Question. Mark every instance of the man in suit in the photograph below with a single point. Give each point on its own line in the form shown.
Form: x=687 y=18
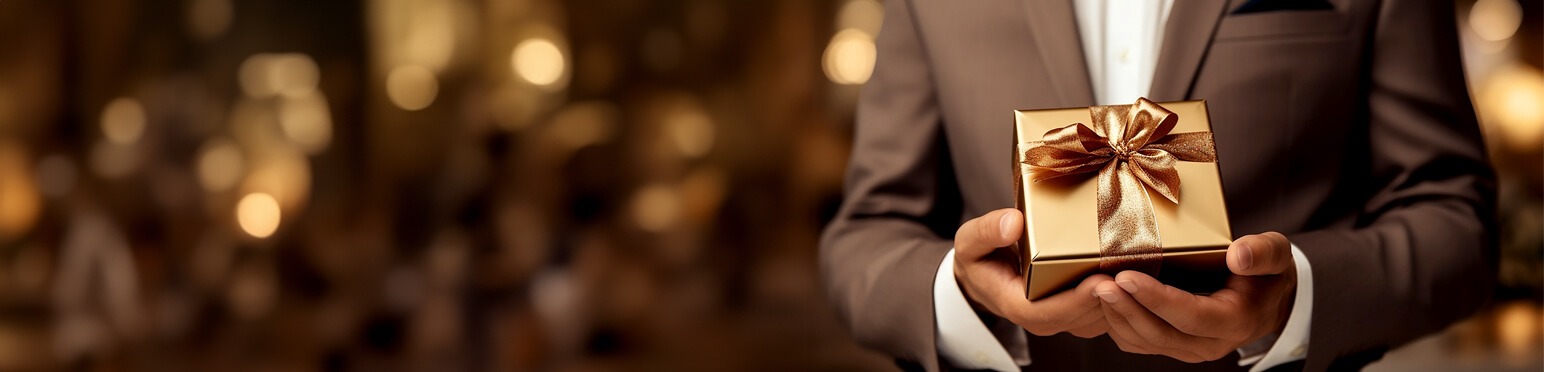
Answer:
x=1348 y=149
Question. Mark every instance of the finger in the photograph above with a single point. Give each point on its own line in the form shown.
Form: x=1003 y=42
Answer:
x=1120 y=331
x=1157 y=334
x=981 y=236
x=1185 y=311
x=1093 y=315
x=1092 y=329
x=1126 y=338
x=1261 y=254
x=1061 y=311
x=994 y=282
x=1089 y=324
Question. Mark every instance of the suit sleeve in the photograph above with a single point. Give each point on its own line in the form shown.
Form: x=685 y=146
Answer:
x=1422 y=253
x=879 y=255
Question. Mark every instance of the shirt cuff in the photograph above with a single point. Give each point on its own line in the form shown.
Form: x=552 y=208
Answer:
x=1291 y=344
x=963 y=339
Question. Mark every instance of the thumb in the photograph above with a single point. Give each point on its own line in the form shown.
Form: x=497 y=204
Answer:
x=983 y=235
x=1266 y=253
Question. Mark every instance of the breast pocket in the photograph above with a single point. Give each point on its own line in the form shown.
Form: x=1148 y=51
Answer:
x=1283 y=24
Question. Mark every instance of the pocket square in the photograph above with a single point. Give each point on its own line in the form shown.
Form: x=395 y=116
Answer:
x=1259 y=6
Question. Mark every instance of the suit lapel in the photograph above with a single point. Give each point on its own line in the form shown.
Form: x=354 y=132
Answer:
x=1055 y=31
x=1186 y=38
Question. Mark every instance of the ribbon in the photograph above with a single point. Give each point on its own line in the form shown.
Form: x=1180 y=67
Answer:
x=1131 y=149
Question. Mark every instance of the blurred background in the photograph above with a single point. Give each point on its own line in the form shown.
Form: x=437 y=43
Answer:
x=297 y=185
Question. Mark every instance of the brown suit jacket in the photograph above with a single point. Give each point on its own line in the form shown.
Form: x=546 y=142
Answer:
x=1349 y=130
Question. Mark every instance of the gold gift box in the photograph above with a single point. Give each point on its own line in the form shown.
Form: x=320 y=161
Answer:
x=1060 y=245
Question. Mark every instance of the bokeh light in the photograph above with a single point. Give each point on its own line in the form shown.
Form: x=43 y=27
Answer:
x=281 y=171
x=1518 y=328
x=849 y=60
x=20 y=201
x=504 y=185
x=412 y=88
x=258 y=215
x=656 y=207
x=306 y=121
x=584 y=124
x=431 y=36
x=220 y=165
x=864 y=15
x=123 y=121
x=1495 y=20
x=292 y=75
x=1512 y=102
x=690 y=129
x=253 y=76
x=538 y=61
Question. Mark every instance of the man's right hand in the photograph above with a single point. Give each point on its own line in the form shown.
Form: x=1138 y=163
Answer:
x=988 y=271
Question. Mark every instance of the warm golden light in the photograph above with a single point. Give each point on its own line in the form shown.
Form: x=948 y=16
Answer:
x=280 y=170
x=258 y=214
x=220 y=165
x=656 y=207
x=123 y=121
x=538 y=61
x=306 y=121
x=1512 y=103
x=292 y=74
x=253 y=76
x=1495 y=20
x=1519 y=327
x=431 y=36
x=691 y=131
x=20 y=201
x=583 y=124
x=864 y=15
x=412 y=88
x=849 y=59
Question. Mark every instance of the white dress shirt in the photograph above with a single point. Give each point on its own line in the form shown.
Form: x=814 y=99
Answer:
x=1121 y=40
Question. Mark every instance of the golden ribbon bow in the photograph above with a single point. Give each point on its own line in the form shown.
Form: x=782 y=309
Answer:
x=1131 y=148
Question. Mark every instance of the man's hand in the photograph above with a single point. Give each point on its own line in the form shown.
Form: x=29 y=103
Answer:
x=1148 y=317
x=989 y=275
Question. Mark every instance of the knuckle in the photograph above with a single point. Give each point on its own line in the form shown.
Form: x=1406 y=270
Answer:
x=1189 y=326
x=985 y=230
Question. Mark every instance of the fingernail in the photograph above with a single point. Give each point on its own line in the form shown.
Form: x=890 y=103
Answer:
x=1245 y=256
x=1004 y=223
x=1107 y=297
x=1129 y=286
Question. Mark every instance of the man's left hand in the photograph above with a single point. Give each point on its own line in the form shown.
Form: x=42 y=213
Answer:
x=1148 y=317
